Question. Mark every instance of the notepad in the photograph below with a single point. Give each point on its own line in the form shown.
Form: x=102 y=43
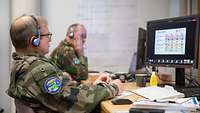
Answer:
x=156 y=92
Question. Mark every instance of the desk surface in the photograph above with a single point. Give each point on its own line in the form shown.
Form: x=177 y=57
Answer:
x=108 y=107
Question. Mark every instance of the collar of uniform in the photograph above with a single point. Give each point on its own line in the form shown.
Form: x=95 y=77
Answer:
x=69 y=46
x=17 y=55
x=66 y=44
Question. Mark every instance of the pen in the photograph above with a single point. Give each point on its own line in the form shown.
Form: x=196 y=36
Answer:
x=164 y=101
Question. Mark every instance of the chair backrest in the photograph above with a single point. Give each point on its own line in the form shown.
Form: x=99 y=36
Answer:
x=1 y=110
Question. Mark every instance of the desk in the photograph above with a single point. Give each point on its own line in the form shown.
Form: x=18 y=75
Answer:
x=108 y=107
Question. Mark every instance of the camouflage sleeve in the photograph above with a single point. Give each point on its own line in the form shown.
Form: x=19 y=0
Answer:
x=56 y=92
x=67 y=60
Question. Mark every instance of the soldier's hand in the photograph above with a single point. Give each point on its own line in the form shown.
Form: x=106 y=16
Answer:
x=119 y=85
x=79 y=46
x=103 y=78
x=67 y=75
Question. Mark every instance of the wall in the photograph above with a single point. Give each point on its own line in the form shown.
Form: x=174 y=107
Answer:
x=110 y=47
x=5 y=101
x=20 y=7
x=150 y=11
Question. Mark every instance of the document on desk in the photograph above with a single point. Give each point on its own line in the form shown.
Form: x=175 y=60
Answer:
x=186 y=104
x=156 y=92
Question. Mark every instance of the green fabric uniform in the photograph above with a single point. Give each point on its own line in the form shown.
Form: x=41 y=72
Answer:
x=64 y=56
x=38 y=83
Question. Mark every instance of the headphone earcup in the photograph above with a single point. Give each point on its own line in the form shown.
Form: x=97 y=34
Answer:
x=71 y=35
x=35 y=41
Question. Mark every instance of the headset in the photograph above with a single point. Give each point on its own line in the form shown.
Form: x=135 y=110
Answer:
x=35 y=40
x=71 y=33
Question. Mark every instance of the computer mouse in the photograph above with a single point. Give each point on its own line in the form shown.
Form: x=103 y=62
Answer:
x=121 y=101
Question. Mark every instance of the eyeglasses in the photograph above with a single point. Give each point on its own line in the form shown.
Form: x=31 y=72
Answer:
x=49 y=35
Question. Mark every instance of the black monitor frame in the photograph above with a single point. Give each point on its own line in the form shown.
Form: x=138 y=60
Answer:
x=179 y=61
x=138 y=58
x=141 y=48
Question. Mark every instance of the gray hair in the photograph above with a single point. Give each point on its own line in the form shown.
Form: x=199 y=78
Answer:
x=23 y=28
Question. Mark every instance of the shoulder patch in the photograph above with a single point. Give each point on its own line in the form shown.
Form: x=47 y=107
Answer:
x=52 y=85
x=76 y=60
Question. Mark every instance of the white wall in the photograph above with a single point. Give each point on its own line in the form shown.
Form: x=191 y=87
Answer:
x=5 y=101
x=151 y=10
x=20 y=7
x=105 y=52
x=59 y=14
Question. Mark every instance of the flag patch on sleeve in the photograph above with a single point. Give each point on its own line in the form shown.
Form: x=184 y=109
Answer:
x=52 y=85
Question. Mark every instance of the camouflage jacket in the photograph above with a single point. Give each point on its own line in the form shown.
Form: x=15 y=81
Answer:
x=65 y=58
x=38 y=83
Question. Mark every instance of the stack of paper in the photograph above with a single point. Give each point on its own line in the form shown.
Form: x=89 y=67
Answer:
x=186 y=104
x=155 y=93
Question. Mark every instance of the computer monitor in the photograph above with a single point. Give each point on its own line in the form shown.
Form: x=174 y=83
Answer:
x=141 y=46
x=173 y=42
x=138 y=58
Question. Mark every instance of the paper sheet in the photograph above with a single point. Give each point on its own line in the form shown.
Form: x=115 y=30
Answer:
x=155 y=92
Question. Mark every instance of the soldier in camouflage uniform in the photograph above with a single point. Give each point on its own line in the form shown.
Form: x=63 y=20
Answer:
x=38 y=84
x=69 y=54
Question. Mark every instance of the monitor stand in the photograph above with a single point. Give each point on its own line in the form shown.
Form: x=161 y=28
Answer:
x=180 y=77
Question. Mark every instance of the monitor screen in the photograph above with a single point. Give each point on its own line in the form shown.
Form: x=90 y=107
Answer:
x=172 y=42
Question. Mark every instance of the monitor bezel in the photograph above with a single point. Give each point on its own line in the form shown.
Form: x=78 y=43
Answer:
x=178 y=22
x=141 y=48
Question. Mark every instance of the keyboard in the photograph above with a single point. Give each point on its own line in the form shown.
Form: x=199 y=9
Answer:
x=189 y=91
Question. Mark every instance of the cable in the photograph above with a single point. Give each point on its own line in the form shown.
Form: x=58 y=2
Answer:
x=192 y=81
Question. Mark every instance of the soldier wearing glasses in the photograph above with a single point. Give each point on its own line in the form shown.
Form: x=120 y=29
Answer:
x=38 y=85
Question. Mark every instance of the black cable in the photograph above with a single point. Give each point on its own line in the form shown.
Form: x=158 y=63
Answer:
x=192 y=81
